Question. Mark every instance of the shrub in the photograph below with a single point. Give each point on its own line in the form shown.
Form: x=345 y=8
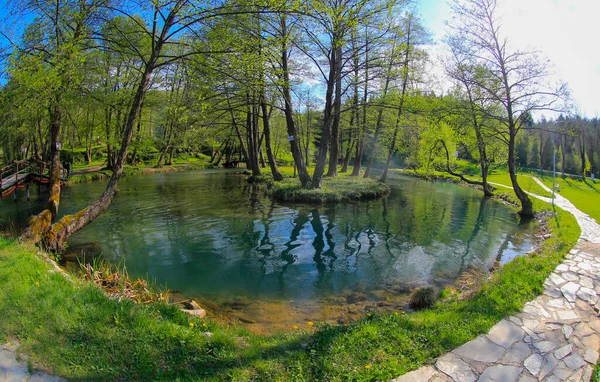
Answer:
x=423 y=297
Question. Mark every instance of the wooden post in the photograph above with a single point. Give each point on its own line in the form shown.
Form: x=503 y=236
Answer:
x=16 y=181
x=28 y=192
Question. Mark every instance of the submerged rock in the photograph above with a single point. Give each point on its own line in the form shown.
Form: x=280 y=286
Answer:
x=192 y=308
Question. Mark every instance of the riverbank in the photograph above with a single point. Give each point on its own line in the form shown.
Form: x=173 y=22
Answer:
x=55 y=319
x=96 y=172
x=555 y=336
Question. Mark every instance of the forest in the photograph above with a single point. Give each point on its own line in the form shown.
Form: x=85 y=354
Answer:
x=326 y=86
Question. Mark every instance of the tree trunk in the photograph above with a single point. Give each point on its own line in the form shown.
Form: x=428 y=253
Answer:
x=288 y=109
x=60 y=231
x=334 y=62
x=267 y=132
x=41 y=223
x=526 y=204
x=334 y=151
x=400 y=106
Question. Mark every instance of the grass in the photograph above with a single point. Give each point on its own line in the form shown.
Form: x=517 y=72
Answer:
x=498 y=176
x=341 y=188
x=75 y=331
x=525 y=181
x=182 y=163
x=334 y=190
x=584 y=194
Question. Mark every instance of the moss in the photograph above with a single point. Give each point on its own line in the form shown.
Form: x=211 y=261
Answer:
x=38 y=225
x=53 y=239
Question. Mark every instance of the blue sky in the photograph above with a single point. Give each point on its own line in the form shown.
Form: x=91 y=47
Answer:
x=564 y=31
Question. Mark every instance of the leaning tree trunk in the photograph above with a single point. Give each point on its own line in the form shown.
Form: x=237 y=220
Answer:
x=60 y=231
x=40 y=223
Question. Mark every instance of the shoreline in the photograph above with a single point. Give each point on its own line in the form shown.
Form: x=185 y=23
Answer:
x=499 y=297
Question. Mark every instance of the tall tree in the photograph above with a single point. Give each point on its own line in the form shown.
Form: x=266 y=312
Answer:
x=512 y=79
x=50 y=59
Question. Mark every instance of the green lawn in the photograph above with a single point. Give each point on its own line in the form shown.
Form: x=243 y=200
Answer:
x=525 y=181
x=75 y=331
x=585 y=195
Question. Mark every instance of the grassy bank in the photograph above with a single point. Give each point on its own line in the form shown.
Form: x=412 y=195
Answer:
x=75 y=331
x=584 y=194
x=500 y=177
x=179 y=164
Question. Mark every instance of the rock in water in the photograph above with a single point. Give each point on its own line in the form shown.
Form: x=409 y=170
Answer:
x=193 y=309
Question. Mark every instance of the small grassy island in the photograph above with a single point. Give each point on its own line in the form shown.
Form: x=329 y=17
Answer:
x=340 y=189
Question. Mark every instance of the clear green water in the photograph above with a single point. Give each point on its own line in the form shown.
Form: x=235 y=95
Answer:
x=211 y=236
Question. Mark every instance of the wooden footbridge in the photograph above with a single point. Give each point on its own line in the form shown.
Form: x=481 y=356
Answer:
x=20 y=174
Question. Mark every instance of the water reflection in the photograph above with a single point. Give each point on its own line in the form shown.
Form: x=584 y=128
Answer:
x=212 y=235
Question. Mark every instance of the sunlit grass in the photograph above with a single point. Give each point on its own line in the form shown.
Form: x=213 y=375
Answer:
x=584 y=194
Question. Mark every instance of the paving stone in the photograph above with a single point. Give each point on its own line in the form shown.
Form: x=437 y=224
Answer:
x=569 y=290
x=423 y=374
x=11 y=369
x=516 y=320
x=516 y=354
x=562 y=373
x=500 y=373
x=583 y=329
x=591 y=356
x=553 y=292
x=591 y=342
x=563 y=351
x=586 y=294
x=480 y=349
x=553 y=378
x=526 y=378
x=574 y=362
x=556 y=279
x=550 y=363
x=576 y=377
x=567 y=315
x=534 y=364
x=456 y=368
x=587 y=373
x=586 y=282
x=569 y=276
x=41 y=377
x=595 y=325
x=531 y=324
x=557 y=303
x=505 y=333
x=544 y=346
x=567 y=331
x=562 y=268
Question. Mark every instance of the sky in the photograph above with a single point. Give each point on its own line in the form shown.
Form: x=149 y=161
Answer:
x=563 y=31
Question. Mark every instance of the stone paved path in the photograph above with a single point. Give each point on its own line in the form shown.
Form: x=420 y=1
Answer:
x=555 y=338
x=14 y=370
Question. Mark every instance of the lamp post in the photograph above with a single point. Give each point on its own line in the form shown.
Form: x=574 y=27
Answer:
x=553 y=162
